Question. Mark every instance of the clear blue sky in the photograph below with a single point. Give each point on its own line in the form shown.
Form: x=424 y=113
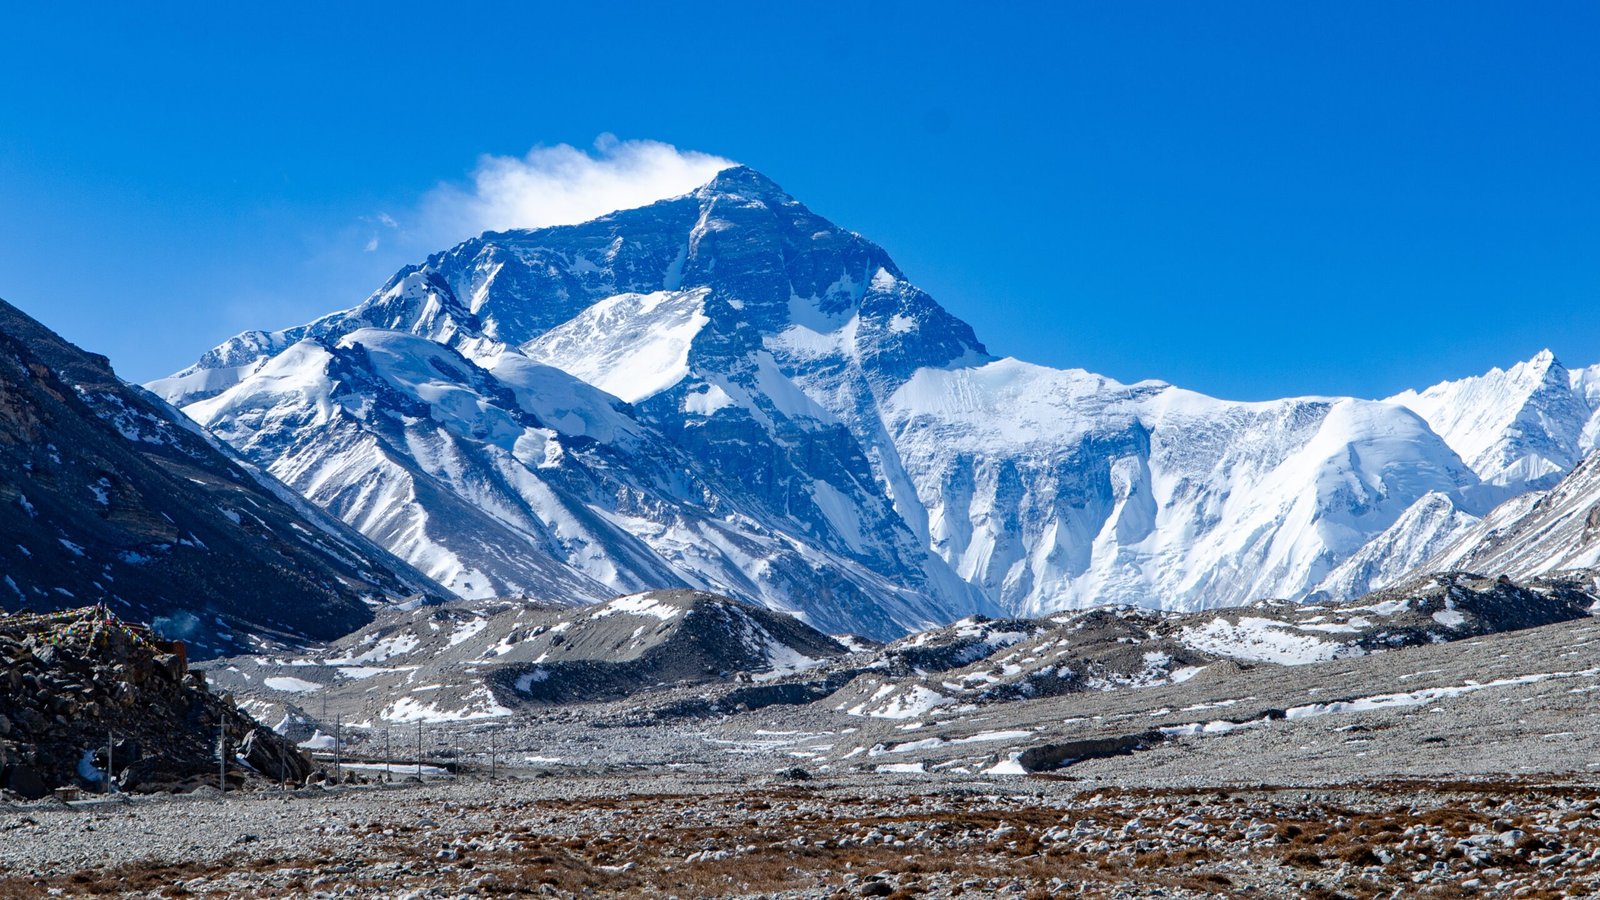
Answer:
x=1248 y=199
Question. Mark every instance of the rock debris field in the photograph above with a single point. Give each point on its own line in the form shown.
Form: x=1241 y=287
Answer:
x=665 y=835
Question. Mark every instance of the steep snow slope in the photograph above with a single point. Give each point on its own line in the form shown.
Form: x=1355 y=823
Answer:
x=1084 y=491
x=632 y=345
x=796 y=406
x=370 y=427
x=519 y=479
x=1537 y=533
x=1423 y=531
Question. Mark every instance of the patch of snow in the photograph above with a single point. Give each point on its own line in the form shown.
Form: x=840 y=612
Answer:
x=1255 y=639
x=637 y=605
x=1011 y=765
x=467 y=630
x=480 y=704
x=317 y=741
x=708 y=401
x=903 y=769
x=386 y=648
x=291 y=685
x=915 y=702
x=529 y=679
x=632 y=346
x=900 y=324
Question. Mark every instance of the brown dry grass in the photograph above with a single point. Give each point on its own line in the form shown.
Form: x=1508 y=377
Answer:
x=622 y=847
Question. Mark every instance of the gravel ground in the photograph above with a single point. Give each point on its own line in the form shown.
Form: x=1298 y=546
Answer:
x=664 y=834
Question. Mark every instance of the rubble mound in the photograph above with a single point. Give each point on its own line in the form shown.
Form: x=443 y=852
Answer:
x=985 y=661
x=641 y=641
x=82 y=692
x=958 y=644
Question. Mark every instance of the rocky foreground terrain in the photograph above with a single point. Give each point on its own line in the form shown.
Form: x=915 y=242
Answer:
x=1457 y=768
x=666 y=655
x=665 y=834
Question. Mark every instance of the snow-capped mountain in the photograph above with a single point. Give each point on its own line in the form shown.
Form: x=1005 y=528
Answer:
x=727 y=392
x=1056 y=489
x=1522 y=428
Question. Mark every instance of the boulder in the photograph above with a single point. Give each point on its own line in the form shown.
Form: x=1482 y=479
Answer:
x=276 y=760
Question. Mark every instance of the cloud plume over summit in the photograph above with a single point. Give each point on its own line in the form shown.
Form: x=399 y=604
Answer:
x=564 y=185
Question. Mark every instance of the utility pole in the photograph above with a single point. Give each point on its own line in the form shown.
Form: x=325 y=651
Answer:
x=337 y=722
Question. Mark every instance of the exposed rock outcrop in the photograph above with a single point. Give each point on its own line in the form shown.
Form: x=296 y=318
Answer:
x=85 y=694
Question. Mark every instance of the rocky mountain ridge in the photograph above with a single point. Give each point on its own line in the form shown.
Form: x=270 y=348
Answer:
x=670 y=655
x=107 y=495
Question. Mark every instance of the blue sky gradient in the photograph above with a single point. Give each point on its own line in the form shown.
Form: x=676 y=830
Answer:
x=1247 y=199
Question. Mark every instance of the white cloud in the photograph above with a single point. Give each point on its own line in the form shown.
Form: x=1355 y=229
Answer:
x=563 y=185
x=384 y=219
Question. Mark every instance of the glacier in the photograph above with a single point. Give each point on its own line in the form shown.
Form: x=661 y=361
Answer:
x=725 y=391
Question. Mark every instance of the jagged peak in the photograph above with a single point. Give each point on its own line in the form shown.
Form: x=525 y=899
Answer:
x=1539 y=373
x=743 y=181
x=1540 y=362
x=1546 y=364
x=1541 y=367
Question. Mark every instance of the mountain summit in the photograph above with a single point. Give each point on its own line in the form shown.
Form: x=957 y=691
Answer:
x=725 y=391
x=1523 y=427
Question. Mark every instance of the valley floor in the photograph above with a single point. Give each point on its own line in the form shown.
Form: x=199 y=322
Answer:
x=662 y=833
x=1463 y=769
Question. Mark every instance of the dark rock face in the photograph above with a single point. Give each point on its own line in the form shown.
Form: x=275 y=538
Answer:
x=1055 y=756
x=108 y=495
x=77 y=684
